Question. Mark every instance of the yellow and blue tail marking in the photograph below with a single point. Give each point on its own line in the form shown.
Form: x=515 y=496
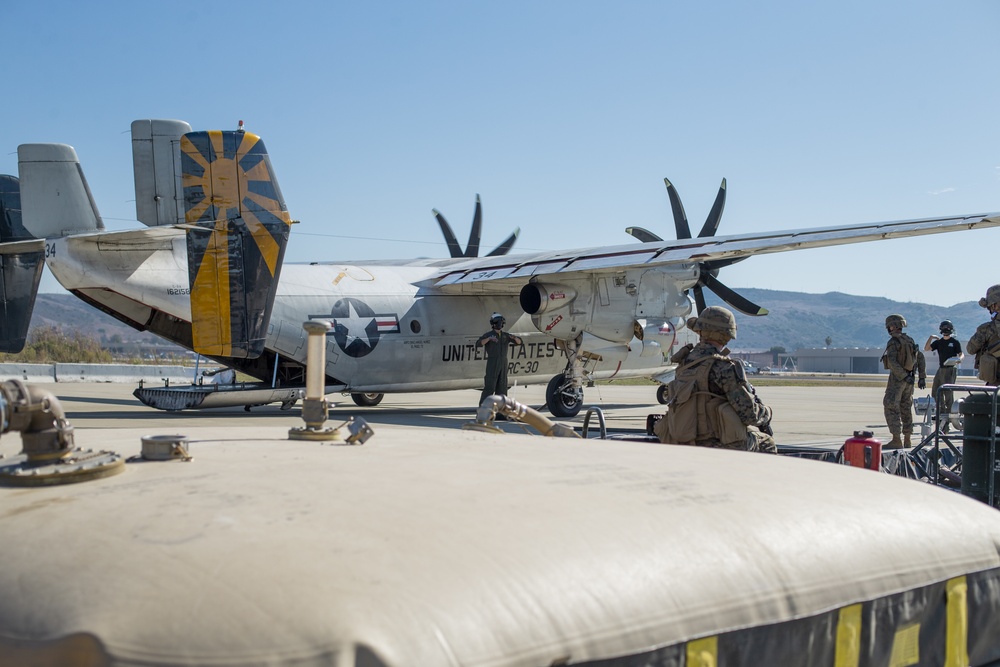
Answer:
x=238 y=228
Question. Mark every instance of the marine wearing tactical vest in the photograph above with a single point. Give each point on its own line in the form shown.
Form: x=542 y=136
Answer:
x=905 y=362
x=985 y=343
x=709 y=402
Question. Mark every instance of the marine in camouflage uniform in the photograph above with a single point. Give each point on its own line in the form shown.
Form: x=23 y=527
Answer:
x=496 y=341
x=985 y=343
x=716 y=326
x=905 y=362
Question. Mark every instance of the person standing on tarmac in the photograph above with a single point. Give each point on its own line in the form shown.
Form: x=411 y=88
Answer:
x=985 y=343
x=904 y=360
x=949 y=352
x=709 y=402
x=496 y=341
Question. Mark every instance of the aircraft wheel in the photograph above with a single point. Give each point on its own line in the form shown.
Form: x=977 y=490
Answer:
x=563 y=403
x=661 y=394
x=367 y=400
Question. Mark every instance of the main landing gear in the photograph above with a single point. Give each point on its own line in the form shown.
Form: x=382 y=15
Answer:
x=562 y=398
x=367 y=400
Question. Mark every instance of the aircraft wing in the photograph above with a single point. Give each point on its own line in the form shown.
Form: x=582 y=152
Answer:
x=507 y=274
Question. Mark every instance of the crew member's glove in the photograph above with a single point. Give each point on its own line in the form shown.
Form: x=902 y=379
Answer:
x=765 y=423
x=922 y=383
x=910 y=378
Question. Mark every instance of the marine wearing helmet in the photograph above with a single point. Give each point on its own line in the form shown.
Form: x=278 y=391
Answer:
x=904 y=361
x=714 y=322
x=985 y=343
x=710 y=403
x=991 y=299
x=895 y=321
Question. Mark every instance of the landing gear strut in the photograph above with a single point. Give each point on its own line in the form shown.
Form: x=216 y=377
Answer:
x=564 y=395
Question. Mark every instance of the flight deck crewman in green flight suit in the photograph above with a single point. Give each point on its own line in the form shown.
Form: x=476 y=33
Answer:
x=496 y=341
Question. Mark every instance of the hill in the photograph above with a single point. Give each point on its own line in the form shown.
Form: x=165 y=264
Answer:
x=796 y=320
x=68 y=313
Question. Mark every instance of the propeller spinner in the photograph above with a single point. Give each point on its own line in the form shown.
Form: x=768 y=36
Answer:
x=472 y=249
x=707 y=271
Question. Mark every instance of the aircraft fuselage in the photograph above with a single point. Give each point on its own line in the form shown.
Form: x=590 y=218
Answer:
x=389 y=334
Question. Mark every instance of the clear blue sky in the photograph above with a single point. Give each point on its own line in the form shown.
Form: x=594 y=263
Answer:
x=564 y=116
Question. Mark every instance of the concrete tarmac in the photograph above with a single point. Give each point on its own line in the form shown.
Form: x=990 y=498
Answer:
x=806 y=416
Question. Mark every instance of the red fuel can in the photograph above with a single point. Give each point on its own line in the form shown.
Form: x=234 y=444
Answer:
x=863 y=451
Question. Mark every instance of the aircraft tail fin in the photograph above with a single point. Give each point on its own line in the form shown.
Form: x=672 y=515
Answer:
x=50 y=199
x=156 y=165
x=237 y=230
x=20 y=271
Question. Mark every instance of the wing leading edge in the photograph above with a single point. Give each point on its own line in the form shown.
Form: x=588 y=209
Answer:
x=504 y=274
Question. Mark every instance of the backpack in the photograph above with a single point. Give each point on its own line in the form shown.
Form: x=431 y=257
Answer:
x=686 y=395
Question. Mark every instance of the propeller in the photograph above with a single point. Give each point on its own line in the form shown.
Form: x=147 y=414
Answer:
x=472 y=248
x=708 y=272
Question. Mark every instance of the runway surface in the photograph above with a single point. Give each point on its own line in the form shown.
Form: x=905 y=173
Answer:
x=101 y=413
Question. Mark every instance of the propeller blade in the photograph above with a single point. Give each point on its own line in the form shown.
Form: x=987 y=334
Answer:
x=454 y=249
x=712 y=221
x=680 y=218
x=505 y=247
x=699 y=299
x=472 y=250
x=644 y=235
x=738 y=302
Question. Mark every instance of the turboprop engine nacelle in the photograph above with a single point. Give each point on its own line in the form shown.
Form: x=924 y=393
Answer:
x=565 y=312
x=537 y=298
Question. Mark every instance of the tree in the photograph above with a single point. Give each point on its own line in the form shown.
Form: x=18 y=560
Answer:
x=828 y=341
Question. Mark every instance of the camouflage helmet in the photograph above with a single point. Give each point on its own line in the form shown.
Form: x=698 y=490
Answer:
x=946 y=327
x=714 y=318
x=992 y=297
x=895 y=320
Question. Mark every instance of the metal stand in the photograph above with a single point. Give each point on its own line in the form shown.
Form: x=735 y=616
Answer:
x=937 y=436
x=932 y=471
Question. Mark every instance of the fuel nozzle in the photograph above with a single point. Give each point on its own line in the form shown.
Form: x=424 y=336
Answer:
x=48 y=456
x=46 y=434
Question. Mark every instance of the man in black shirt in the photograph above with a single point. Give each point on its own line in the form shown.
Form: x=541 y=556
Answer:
x=949 y=351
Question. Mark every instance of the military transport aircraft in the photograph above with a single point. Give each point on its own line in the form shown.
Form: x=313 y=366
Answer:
x=205 y=275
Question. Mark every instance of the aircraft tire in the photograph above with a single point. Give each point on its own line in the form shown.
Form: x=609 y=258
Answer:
x=661 y=394
x=367 y=400
x=562 y=404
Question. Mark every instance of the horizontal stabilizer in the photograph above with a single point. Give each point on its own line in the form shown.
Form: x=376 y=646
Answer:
x=237 y=230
